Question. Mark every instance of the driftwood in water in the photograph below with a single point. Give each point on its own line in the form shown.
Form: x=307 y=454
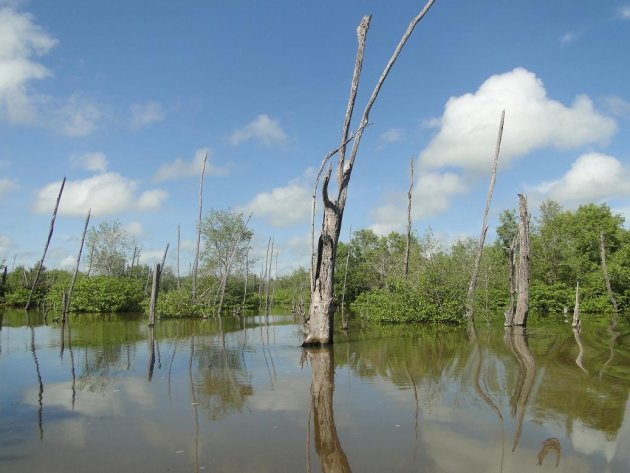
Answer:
x=195 y=269
x=154 y=293
x=50 y=233
x=409 y=196
x=522 y=273
x=484 y=226
x=318 y=329
x=66 y=305
x=602 y=249
x=576 y=308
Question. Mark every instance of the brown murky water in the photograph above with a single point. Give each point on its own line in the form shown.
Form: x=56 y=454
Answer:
x=105 y=394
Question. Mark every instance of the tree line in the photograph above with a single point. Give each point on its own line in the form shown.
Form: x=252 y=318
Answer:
x=370 y=276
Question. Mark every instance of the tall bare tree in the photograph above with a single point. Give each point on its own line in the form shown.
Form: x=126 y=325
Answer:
x=484 y=226
x=408 y=241
x=318 y=329
x=522 y=272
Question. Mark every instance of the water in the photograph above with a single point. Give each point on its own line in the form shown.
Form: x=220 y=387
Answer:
x=105 y=393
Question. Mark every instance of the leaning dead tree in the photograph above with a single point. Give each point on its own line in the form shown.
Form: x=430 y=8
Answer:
x=484 y=226
x=66 y=305
x=318 y=329
x=522 y=272
x=576 y=324
x=602 y=249
x=50 y=233
x=409 y=197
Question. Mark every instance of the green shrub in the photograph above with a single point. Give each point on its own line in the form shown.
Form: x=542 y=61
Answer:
x=101 y=294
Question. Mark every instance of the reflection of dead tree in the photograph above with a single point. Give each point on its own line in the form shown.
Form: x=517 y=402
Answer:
x=580 y=357
x=613 y=337
x=194 y=401
x=327 y=444
x=151 y=342
x=415 y=396
x=527 y=376
x=40 y=392
x=550 y=445
x=72 y=368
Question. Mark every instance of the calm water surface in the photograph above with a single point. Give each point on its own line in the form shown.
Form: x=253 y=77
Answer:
x=106 y=394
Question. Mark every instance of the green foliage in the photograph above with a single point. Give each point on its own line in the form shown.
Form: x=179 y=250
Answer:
x=109 y=248
x=550 y=298
x=177 y=303
x=100 y=294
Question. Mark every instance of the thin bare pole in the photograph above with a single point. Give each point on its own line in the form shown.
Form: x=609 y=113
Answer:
x=409 y=196
x=246 y=276
x=576 y=308
x=344 y=320
x=154 y=293
x=164 y=257
x=50 y=233
x=484 y=226
x=66 y=306
x=196 y=263
x=602 y=248
x=268 y=276
x=178 y=248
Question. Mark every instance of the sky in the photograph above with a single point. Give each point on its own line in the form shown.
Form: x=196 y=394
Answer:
x=125 y=99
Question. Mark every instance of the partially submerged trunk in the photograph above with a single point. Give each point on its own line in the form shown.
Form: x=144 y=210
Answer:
x=576 y=308
x=319 y=325
x=522 y=279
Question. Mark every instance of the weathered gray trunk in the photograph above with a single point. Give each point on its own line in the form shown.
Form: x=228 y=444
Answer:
x=50 y=234
x=522 y=279
x=66 y=305
x=509 y=312
x=409 y=198
x=195 y=269
x=602 y=249
x=484 y=226
x=154 y=293
x=319 y=325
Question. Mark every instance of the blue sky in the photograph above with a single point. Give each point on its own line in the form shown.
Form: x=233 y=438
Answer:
x=125 y=100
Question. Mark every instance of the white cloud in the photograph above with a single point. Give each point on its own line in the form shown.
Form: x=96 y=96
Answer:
x=6 y=186
x=282 y=206
x=105 y=194
x=21 y=41
x=263 y=129
x=134 y=229
x=623 y=13
x=93 y=161
x=432 y=195
x=144 y=114
x=468 y=128
x=568 y=38
x=592 y=177
x=180 y=168
x=76 y=116
x=391 y=136
x=616 y=105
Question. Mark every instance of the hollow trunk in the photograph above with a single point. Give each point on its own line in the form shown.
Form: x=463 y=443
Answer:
x=522 y=279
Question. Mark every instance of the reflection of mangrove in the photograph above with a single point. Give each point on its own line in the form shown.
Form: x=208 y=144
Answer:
x=331 y=455
x=526 y=377
x=223 y=383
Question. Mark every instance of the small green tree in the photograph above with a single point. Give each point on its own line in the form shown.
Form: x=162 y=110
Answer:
x=109 y=249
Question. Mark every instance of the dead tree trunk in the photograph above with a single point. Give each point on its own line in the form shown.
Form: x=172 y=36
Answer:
x=484 y=226
x=509 y=312
x=319 y=325
x=246 y=276
x=154 y=293
x=164 y=258
x=66 y=306
x=602 y=249
x=178 y=248
x=409 y=196
x=50 y=233
x=196 y=263
x=522 y=278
